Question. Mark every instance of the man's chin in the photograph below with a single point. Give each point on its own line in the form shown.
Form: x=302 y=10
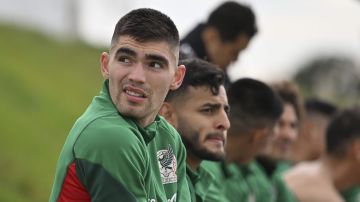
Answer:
x=281 y=157
x=216 y=157
x=131 y=112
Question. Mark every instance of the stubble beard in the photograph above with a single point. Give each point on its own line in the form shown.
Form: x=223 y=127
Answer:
x=193 y=146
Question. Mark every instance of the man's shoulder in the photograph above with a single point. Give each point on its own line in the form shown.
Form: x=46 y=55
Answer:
x=305 y=181
x=165 y=128
x=214 y=168
x=109 y=132
x=301 y=173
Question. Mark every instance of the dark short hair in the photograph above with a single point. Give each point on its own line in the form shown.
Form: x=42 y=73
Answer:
x=199 y=73
x=319 y=106
x=254 y=105
x=232 y=19
x=289 y=94
x=342 y=129
x=145 y=25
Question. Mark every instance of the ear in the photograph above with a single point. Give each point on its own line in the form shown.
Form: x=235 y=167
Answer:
x=355 y=149
x=243 y=40
x=210 y=34
x=260 y=136
x=178 y=77
x=104 y=61
x=167 y=111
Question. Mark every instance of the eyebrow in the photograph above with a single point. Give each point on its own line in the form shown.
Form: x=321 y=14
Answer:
x=217 y=106
x=212 y=105
x=130 y=52
x=124 y=50
x=158 y=58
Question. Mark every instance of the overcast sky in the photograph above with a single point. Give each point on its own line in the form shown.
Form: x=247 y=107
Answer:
x=291 y=31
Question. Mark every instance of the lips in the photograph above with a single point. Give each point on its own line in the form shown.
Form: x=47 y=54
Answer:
x=216 y=138
x=134 y=94
x=284 y=146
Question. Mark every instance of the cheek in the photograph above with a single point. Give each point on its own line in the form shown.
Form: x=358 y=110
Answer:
x=197 y=127
x=202 y=135
x=263 y=142
x=161 y=83
x=117 y=74
x=295 y=135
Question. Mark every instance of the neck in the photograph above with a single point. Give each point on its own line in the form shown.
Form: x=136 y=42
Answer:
x=339 y=171
x=233 y=154
x=193 y=161
x=144 y=122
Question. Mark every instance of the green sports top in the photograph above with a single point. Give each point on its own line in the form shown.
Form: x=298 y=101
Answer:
x=239 y=183
x=199 y=182
x=352 y=194
x=216 y=191
x=117 y=160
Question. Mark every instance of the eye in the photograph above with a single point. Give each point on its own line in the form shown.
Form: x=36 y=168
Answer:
x=208 y=110
x=156 y=65
x=294 y=125
x=227 y=110
x=124 y=59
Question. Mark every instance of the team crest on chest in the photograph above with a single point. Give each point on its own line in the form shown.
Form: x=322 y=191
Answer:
x=167 y=165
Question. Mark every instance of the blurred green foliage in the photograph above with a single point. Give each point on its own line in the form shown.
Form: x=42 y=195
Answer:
x=45 y=84
x=333 y=78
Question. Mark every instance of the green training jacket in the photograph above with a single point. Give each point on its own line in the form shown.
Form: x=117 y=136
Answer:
x=352 y=194
x=199 y=182
x=239 y=183
x=108 y=157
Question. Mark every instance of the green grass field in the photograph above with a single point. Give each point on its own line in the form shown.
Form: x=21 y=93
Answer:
x=45 y=85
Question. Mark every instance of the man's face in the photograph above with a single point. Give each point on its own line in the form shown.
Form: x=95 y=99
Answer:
x=140 y=75
x=245 y=147
x=224 y=53
x=202 y=121
x=312 y=135
x=285 y=133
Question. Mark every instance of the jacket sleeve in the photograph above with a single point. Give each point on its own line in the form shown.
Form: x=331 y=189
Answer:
x=183 y=192
x=112 y=163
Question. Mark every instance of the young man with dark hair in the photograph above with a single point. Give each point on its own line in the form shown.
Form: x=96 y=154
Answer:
x=227 y=32
x=336 y=171
x=278 y=152
x=310 y=144
x=255 y=109
x=198 y=110
x=120 y=149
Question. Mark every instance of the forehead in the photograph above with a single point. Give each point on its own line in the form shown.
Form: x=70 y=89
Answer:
x=289 y=113
x=197 y=96
x=161 y=48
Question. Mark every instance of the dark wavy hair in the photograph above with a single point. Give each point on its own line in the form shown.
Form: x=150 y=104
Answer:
x=254 y=105
x=342 y=129
x=232 y=19
x=199 y=73
x=145 y=25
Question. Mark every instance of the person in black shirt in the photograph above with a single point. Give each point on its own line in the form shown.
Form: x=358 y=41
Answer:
x=227 y=32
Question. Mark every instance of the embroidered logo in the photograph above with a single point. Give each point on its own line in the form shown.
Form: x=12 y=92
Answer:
x=167 y=165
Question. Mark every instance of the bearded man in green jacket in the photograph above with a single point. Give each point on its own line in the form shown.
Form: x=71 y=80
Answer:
x=199 y=111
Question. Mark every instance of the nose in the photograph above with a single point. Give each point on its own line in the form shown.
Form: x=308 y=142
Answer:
x=288 y=133
x=223 y=122
x=137 y=73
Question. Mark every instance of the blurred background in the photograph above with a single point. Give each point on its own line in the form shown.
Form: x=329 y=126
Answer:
x=49 y=67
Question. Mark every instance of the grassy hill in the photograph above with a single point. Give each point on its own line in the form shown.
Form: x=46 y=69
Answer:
x=45 y=85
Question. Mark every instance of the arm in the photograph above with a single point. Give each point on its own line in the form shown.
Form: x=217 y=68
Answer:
x=183 y=192
x=111 y=163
